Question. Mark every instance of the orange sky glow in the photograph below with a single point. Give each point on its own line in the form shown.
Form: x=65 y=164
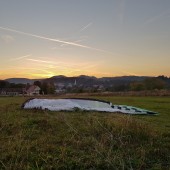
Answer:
x=94 y=38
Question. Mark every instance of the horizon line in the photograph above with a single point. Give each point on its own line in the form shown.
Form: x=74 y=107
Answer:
x=83 y=75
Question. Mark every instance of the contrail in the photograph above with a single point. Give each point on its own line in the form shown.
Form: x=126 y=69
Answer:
x=19 y=58
x=85 y=27
x=42 y=61
x=77 y=41
x=57 y=64
x=122 y=11
x=157 y=17
x=51 y=39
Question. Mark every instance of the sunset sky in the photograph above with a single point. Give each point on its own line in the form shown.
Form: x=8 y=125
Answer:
x=102 y=38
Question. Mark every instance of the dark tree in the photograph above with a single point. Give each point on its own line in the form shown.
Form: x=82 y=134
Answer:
x=48 y=88
x=137 y=86
x=154 y=83
x=37 y=83
x=4 y=84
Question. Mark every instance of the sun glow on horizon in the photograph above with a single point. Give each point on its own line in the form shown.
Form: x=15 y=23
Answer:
x=109 y=39
x=41 y=74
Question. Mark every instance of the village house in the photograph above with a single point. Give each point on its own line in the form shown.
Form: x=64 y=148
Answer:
x=32 y=90
x=11 y=91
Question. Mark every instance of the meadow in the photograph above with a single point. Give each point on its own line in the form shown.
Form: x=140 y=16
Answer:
x=36 y=139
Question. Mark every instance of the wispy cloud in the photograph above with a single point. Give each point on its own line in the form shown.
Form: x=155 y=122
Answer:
x=77 y=41
x=42 y=61
x=51 y=39
x=20 y=58
x=156 y=17
x=31 y=69
x=7 y=38
x=86 y=26
x=65 y=66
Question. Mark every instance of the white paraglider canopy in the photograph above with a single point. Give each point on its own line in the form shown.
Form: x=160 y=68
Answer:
x=70 y=104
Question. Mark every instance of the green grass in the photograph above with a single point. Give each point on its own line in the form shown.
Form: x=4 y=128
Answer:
x=31 y=139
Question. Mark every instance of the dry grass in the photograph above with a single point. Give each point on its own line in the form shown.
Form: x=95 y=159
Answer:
x=127 y=93
x=78 y=140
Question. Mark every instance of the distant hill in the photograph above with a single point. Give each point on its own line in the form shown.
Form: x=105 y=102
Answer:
x=20 y=80
x=91 y=80
x=82 y=80
x=85 y=83
x=125 y=78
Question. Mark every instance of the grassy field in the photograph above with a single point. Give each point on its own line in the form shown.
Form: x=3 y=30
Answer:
x=31 y=139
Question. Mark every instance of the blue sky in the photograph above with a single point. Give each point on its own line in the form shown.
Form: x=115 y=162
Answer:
x=40 y=38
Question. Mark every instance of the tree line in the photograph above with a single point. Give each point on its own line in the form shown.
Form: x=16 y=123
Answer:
x=46 y=88
x=151 y=83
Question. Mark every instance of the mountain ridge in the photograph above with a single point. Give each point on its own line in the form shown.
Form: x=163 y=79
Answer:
x=80 y=79
x=21 y=80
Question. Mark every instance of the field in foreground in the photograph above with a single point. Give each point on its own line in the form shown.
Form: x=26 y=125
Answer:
x=31 y=139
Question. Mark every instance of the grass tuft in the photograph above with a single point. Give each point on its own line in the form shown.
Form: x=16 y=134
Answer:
x=32 y=139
